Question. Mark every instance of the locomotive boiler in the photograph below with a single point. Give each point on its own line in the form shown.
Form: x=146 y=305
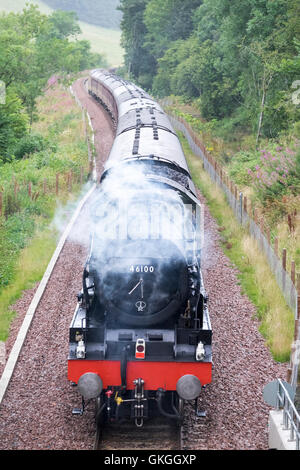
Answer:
x=140 y=338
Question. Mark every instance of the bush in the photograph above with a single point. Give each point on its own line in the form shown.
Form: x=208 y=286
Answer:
x=29 y=144
x=277 y=173
x=241 y=165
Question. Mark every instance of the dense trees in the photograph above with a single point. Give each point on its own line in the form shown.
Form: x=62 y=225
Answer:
x=168 y=21
x=33 y=47
x=239 y=57
x=139 y=61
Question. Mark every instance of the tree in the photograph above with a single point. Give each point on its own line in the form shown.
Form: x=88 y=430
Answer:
x=238 y=56
x=33 y=47
x=139 y=60
x=61 y=25
x=168 y=21
x=14 y=124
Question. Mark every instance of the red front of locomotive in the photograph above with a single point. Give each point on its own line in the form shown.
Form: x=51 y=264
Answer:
x=155 y=375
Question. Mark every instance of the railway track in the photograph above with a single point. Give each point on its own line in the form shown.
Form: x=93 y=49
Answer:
x=156 y=434
x=39 y=394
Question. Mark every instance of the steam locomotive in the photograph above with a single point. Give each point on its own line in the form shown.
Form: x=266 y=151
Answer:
x=140 y=341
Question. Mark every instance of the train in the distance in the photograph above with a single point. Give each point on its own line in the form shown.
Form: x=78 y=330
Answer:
x=140 y=341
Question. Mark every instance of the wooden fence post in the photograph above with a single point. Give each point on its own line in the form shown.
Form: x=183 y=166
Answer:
x=284 y=259
x=1 y=204
x=57 y=184
x=245 y=204
x=293 y=272
x=29 y=189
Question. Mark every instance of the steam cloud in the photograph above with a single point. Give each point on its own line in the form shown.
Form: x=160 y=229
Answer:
x=135 y=228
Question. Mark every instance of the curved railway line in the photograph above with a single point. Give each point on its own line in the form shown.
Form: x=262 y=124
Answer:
x=35 y=412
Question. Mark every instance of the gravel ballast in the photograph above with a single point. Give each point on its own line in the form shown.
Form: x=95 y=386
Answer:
x=36 y=412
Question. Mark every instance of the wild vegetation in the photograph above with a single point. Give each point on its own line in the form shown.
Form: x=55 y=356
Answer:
x=27 y=235
x=33 y=47
x=41 y=135
x=255 y=277
x=232 y=68
x=103 y=39
x=239 y=59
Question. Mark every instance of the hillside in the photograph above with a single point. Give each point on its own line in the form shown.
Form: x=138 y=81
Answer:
x=103 y=13
x=18 y=5
x=103 y=39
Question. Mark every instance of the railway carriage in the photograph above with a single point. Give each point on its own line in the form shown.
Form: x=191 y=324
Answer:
x=141 y=338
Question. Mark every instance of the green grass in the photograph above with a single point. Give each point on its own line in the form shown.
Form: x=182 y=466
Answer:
x=32 y=263
x=255 y=277
x=103 y=40
x=26 y=239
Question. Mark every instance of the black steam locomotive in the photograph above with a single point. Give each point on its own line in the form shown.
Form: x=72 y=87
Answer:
x=140 y=338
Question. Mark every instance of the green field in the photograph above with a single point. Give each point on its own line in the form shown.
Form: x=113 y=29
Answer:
x=104 y=41
x=18 y=5
x=103 y=13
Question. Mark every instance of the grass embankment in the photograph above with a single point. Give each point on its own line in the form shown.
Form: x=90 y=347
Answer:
x=267 y=173
x=256 y=279
x=29 y=268
x=27 y=238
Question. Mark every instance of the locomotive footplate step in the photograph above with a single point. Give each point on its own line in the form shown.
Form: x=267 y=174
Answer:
x=79 y=411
